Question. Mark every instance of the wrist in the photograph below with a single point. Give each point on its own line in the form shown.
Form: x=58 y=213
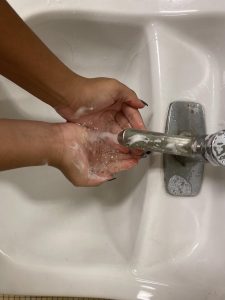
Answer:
x=73 y=95
x=68 y=141
x=53 y=144
x=26 y=143
x=41 y=139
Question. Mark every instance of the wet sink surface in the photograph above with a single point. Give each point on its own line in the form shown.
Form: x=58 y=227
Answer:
x=127 y=239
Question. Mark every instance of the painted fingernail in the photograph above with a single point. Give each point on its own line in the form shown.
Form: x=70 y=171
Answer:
x=145 y=154
x=112 y=179
x=145 y=103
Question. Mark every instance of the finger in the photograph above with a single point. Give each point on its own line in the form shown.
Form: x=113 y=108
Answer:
x=122 y=165
x=133 y=116
x=97 y=179
x=130 y=97
x=136 y=103
x=122 y=120
x=118 y=156
x=119 y=147
x=111 y=140
x=137 y=152
x=113 y=126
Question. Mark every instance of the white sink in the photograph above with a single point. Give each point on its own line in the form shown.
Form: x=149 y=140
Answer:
x=127 y=239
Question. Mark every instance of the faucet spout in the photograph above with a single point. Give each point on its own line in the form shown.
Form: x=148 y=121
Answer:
x=210 y=148
x=182 y=145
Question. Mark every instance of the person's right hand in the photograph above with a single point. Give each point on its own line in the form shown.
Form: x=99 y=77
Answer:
x=88 y=157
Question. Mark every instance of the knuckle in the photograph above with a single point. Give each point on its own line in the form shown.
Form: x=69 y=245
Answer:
x=115 y=83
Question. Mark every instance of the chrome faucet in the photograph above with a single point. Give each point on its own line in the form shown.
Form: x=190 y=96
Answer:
x=210 y=148
x=185 y=147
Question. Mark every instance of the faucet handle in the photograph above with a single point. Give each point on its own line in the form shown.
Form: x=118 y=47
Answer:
x=214 y=148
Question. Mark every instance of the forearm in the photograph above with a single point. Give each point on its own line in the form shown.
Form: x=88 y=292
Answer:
x=26 y=60
x=26 y=143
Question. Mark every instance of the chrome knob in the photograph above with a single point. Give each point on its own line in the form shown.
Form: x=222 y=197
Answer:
x=215 y=148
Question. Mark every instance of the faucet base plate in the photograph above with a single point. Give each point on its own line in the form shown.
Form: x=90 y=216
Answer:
x=183 y=175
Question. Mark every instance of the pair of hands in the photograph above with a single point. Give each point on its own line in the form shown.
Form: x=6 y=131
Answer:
x=97 y=109
x=88 y=151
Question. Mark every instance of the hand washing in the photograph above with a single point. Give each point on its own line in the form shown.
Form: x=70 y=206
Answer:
x=93 y=107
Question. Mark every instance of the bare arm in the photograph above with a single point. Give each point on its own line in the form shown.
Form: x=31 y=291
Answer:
x=26 y=143
x=27 y=61
x=86 y=157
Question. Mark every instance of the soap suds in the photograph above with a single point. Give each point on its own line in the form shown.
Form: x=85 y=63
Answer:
x=92 y=175
x=77 y=162
x=158 y=141
x=97 y=136
x=171 y=146
x=82 y=111
x=137 y=138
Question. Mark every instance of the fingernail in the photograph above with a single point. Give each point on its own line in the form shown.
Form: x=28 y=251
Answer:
x=145 y=103
x=145 y=154
x=112 y=179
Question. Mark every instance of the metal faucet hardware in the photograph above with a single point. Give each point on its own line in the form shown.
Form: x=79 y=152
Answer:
x=185 y=147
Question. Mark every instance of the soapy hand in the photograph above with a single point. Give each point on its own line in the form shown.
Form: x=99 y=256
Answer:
x=90 y=157
x=89 y=96
x=90 y=153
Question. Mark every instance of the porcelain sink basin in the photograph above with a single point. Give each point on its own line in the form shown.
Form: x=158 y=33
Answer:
x=127 y=239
